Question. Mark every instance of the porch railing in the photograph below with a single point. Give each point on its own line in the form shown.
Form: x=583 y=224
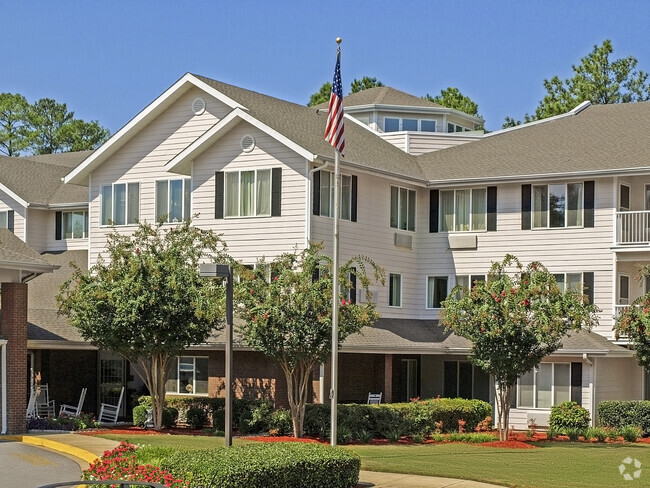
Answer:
x=633 y=227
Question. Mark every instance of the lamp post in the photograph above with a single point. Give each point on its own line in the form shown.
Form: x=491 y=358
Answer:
x=213 y=270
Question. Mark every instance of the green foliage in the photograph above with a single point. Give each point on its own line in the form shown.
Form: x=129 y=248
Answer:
x=453 y=98
x=597 y=79
x=196 y=417
x=63 y=422
x=573 y=433
x=321 y=96
x=568 y=415
x=597 y=433
x=617 y=414
x=630 y=433
x=634 y=323
x=286 y=312
x=280 y=422
x=15 y=135
x=145 y=299
x=270 y=465
x=514 y=319
x=364 y=83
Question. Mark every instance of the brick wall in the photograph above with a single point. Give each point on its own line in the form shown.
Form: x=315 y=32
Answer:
x=14 y=329
x=359 y=374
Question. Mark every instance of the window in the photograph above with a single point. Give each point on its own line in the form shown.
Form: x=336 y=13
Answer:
x=402 y=208
x=74 y=224
x=557 y=205
x=173 y=200
x=395 y=290
x=569 y=281
x=4 y=219
x=393 y=124
x=463 y=210
x=461 y=379
x=120 y=204
x=326 y=193
x=545 y=386
x=189 y=376
x=248 y=193
x=468 y=282
x=436 y=291
x=451 y=127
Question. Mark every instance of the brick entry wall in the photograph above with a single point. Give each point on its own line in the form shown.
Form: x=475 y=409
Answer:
x=14 y=329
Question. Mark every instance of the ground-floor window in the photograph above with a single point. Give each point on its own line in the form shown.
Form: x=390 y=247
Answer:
x=188 y=376
x=464 y=380
x=549 y=384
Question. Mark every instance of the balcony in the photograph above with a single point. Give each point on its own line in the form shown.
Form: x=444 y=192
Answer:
x=633 y=228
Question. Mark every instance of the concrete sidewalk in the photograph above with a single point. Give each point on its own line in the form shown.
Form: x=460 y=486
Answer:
x=87 y=448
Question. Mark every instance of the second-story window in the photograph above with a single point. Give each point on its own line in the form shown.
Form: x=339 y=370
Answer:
x=74 y=224
x=463 y=210
x=326 y=195
x=392 y=124
x=120 y=204
x=557 y=205
x=173 y=200
x=402 y=208
x=248 y=193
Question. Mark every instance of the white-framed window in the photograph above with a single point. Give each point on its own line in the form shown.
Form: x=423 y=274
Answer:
x=327 y=183
x=188 y=376
x=395 y=290
x=463 y=210
x=248 y=193
x=546 y=385
x=402 y=208
x=173 y=200
x=451 y=127
x=558 y=205
x=74 y=224
x=120 y=204
x=436 y=290
x=4 y=219
x=467 y=281
x=395 y=124
x=569 y=281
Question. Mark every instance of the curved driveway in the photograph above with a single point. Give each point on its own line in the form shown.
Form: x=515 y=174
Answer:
x=29 y=467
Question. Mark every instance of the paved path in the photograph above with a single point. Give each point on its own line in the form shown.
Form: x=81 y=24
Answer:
x=86 y=448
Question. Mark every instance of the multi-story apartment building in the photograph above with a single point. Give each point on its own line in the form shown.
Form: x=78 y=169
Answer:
x=424 y=194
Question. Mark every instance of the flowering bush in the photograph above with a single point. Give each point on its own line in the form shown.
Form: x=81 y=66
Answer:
x=63 y=422
x=120 y=464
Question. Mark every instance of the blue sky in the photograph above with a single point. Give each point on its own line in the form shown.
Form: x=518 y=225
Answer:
x=108 y=59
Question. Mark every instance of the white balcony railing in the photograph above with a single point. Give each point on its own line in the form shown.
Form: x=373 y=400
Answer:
x=633 y=227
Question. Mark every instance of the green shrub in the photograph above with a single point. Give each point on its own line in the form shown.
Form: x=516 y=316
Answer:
x=568 y=415
x=617 y=414
x=551 y=433
x=597 y=433
x=154 y=455
x=470 y=437
x=139 y=415
x=573 y=433
x=196 y=417
x=282 y=464
x=629 y=433
x=344 y=435
x=280 y=422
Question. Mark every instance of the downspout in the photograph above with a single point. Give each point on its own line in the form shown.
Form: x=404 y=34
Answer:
x=310 y=196
x=3 y=366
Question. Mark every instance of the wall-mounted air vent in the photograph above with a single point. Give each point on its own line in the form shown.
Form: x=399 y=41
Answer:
x=198 y=106
x=247 y=143
x=404 y=240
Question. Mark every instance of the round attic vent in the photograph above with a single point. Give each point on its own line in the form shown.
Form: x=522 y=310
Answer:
x=198 y=106
x=247 y=143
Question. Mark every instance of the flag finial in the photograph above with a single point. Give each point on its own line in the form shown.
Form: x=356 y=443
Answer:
x=339 y=40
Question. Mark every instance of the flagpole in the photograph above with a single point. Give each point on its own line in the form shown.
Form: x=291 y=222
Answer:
x=335 y=292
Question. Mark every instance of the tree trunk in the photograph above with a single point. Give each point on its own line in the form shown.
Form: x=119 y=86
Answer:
x=297 y=388
x=153 y=372
x=504 y=394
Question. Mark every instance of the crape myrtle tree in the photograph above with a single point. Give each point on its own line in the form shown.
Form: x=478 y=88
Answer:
x=634 y=323
x=286 y=312
x=146 y=300
x=514 y=319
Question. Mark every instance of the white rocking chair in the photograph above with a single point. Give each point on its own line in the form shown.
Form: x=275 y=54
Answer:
x=31 y=405
x=44 y=406
x=374 y=398
x=110 y=413
x=74 y=409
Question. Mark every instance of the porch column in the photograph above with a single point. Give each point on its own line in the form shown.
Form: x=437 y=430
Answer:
x=14 y=330
x=388 y=378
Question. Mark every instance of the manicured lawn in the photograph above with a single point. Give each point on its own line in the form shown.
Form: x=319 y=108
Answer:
x=552 y=465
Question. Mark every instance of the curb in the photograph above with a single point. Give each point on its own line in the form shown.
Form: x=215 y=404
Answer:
x=85 y=456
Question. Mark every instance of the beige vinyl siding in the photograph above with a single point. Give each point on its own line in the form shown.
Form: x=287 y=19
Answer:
x=373 y=237
x=20 y=212
x=557 y=249
x=142 y=159
x=417 y=143
x=249 y=238
x=41 y=227
x=618 y=379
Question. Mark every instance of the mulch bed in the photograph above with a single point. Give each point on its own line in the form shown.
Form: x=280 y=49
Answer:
x=511 y=444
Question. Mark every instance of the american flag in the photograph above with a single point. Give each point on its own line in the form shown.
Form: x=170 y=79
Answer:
x=334 y=133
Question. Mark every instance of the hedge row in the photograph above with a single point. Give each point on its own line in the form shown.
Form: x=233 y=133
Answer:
x=618 y=414
x=394 y=419
x=282 y=464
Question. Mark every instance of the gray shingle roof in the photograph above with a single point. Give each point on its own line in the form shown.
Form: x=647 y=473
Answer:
x=305 y=127
x=37 y=179
x=14 y=251
x=384 y=95
x=600 y=138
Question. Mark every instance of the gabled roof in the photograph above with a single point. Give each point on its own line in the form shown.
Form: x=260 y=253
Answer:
x=16 y=255
x=595 y=140
x=37 y=180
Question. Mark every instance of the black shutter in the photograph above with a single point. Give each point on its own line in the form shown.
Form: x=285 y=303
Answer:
x=576 y=383
x=434 y=206
x=491 y=208
x=525 y=206
x=588 y=283
x=218 y=194
x=58 y=225
x=276 y=192
x=316 y=192
x=589 y=203
x=10 y=220
x=353 y=210
x=353 y=287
